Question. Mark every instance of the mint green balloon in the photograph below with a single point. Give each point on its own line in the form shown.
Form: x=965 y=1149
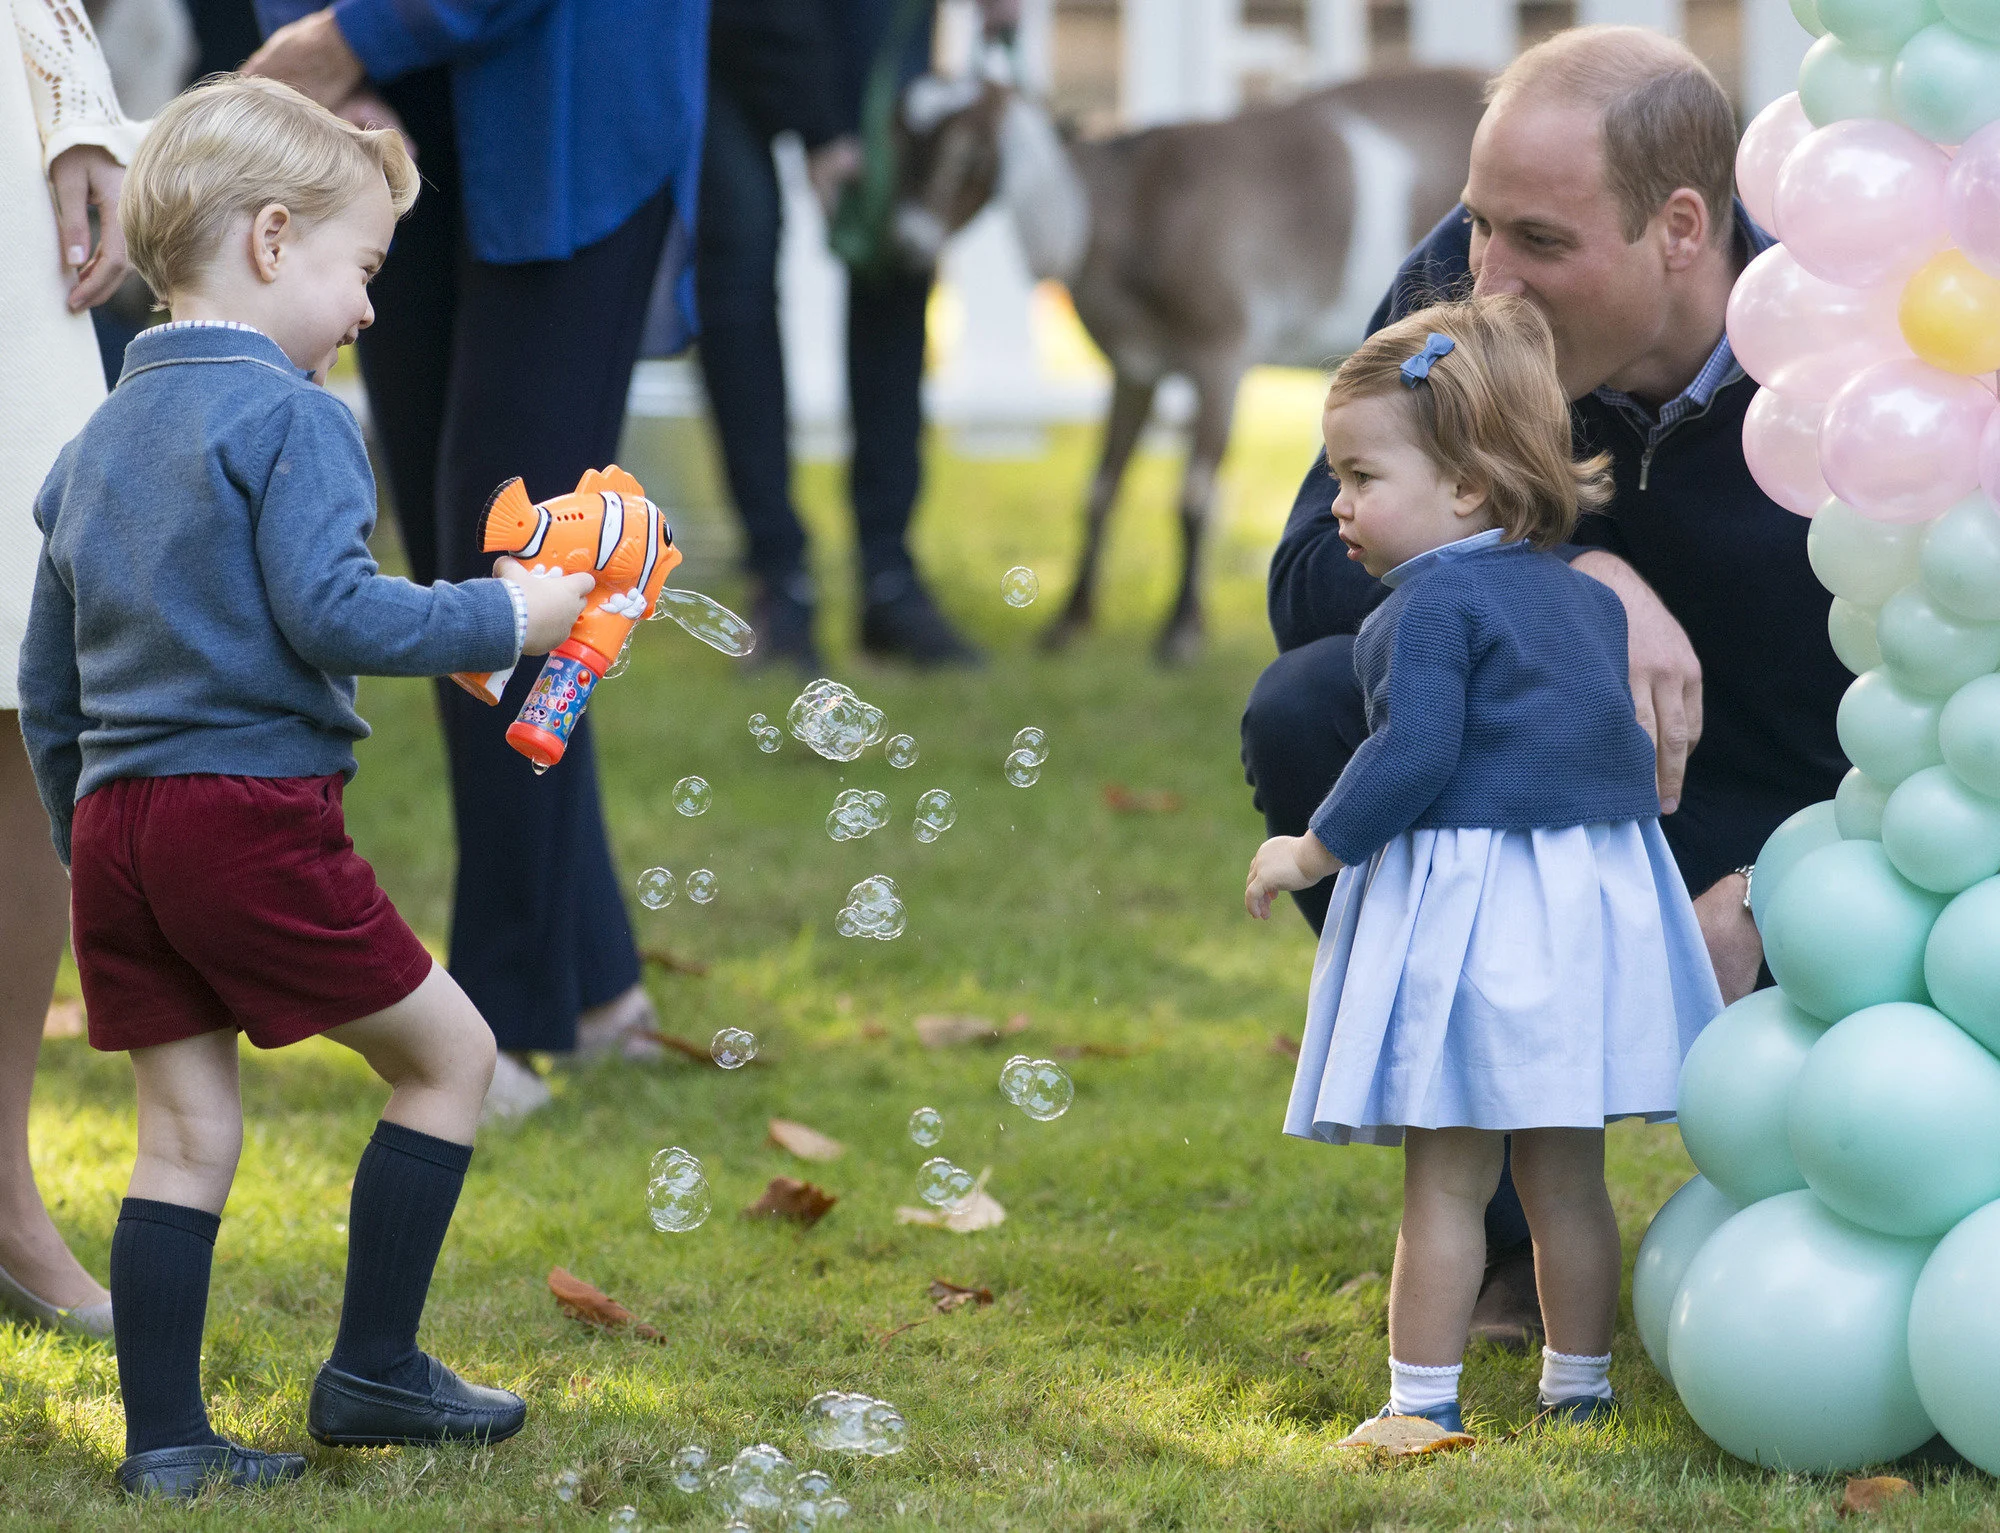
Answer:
x=1806 y=13
x=1946 y=85
x=1807 y=831
x=1955 y=1337
x=1862 y=560
x=1969 y=734
x=1895 y=1121
x=1962 y=962
x=1790 y=1338
x=1837 y=82
x=1679 y=1229
x=1851 y=631
x=1857 y=808
x=1939 y=833
x=1877 y=26
x=1735 y=1093
x=1926 y=649
x=1975 y=18
x=1960 y=561
x=1886 y=729
x=1846 y=930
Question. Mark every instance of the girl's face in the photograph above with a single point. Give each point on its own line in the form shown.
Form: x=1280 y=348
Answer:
x=1394 y=502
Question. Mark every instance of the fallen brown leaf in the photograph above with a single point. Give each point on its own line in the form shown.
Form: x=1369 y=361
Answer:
x=949 y=1296
x=1091 y=1051
x=1359 y=1281
x=788 y=1198
x=1284 y=1047
x=1866 y=1497
x=674 y=963
x=593 y=1306
x=874 y=1031
x=1120 y=799
x=64 y=1020
x=806 y=1143
x=687 y=1046
x=940 y=1030
x=1393 y=1437
x=981 y=1211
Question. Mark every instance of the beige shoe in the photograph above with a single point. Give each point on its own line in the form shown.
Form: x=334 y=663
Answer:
x=620 y=1025
x=516 y=1091
x=84 y=1320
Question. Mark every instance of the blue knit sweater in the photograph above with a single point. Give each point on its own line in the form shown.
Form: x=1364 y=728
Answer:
x=1497 y=696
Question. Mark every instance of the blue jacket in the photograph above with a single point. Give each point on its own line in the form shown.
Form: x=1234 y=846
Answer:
x=1495 y=678
x=205 y=596
x=571 y=113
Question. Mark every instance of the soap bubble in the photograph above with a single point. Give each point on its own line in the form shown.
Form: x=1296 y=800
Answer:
x=1023 y=770
x=941 y=1183
x=936 y=814
x=900 y=751
x=873 y=909
x=1014 y=1077
x=624 y=661
x=692 y=796
x=707 y=619
x=857 y=812
x=833 y=721
x=657 y=888
x=701 y=885
x=837 y=1422
x=690 y=1474
x=625 y=1517
x=764 y=732
x=1045 y=1090
x=813 y=1485
x=834 y=1509
x=1019 y=587
x=926 y=1126
x=676 y=1191
x=568 y=1483
x=756 y=1480
x=1032 y=742
x=733 y=1048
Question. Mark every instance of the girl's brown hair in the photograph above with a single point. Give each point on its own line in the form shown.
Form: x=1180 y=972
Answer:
x=1490 y=413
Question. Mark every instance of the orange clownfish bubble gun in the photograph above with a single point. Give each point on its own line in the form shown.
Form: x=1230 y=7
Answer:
x=608 y=527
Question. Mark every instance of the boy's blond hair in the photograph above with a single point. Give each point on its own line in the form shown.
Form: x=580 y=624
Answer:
x=1491 y=412
x=235 y=144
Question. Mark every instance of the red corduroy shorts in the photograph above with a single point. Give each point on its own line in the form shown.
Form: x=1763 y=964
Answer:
x=205 y=902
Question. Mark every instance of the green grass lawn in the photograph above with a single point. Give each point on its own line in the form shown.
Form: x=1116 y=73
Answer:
x=1189 y=1308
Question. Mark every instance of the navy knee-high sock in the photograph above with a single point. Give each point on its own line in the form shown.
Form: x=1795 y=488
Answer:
x=160 y=1259
x=404 y=1193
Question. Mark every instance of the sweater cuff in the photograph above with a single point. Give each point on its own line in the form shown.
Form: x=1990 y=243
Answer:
x=520 y=600
x=384 y=38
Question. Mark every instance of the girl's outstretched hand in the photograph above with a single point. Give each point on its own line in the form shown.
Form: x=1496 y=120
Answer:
x=1285 y=863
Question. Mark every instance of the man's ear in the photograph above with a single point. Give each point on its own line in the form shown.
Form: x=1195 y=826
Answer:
x=269 y=229
x=1684 y=225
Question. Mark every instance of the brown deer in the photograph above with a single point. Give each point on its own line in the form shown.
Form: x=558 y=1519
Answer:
x=1201 y=249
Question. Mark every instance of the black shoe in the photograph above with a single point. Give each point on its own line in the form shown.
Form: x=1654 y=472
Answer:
x=347 y=1412
x=182 y=1472
x=1509 y=1311
x=782 y=614
x=901 y=622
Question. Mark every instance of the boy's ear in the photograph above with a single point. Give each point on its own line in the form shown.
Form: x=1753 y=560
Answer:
x=268 y=231
x=1467 y=498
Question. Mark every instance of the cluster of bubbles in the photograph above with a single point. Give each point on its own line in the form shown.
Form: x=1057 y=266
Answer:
x=1041 y=1088
x=842 y=1422
x=701 y=885
x=657 y=888
x=733 y=1048
x=692 y=796
x=943 y=1184
x=1024 y=762
x=568 y=1484
x=676 y=1192
x=873 y=909
x=764 y=732
x=1019 y=586
x=900 y=751
x=833 y=721
x=936 y=814
x=857 y=812
x=760 y=1486
x=926 y=1126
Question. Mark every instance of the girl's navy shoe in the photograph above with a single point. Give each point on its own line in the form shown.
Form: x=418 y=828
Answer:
x=1577 y=1410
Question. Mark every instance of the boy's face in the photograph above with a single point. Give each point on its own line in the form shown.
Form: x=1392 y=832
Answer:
x=1394 y=501
x=320 y=281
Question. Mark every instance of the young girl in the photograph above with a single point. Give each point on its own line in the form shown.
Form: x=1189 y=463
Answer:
x=1510 y=948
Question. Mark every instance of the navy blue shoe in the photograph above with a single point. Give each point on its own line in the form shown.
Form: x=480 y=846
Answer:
x=350 y=1412
x=183 y=1472
x=1445 y=1416
x=1577 y=1410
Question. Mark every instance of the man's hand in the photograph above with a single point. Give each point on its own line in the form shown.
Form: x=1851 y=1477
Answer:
x=85 y=176
x=312 y=57
x=831 y=166
x=365 y=109
x=1285 y=863
x=1665 y=675
x=1734 y=946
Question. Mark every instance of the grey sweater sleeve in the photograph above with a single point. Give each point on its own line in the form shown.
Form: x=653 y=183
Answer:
x=52 y=720
x=328 y=596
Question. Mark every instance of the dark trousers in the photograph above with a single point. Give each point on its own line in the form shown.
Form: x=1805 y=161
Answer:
x=743 y=364
x=1304 y=722
x=477 y=372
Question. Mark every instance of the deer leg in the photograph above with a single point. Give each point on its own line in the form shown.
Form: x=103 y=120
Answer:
x=1131 y=405
x=1215 y=405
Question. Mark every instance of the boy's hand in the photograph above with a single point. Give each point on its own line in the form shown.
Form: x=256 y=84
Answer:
x=555 y=602
x=1285 y=863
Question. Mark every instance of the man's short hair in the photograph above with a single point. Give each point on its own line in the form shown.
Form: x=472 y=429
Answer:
x=1664 y=120
x=234 y=144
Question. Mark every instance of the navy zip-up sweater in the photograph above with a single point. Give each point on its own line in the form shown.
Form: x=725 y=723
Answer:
x=1728 y=562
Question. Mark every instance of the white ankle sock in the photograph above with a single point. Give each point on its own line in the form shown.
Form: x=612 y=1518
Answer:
x=1565 y=1376
x=1414 y=1388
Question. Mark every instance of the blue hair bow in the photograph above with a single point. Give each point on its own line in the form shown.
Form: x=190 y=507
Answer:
x=1418 y=368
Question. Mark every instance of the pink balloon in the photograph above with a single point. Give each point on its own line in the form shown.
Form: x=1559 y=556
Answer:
x=1804 y=337
x=1861 y=201
x=1781 y=447
x=1972 y=199
x=1900 y=442
x=1989 y=457
x=1773 y=133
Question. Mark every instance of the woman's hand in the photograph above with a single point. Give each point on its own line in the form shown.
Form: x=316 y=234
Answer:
x=1282 y=864
x=85 y=176
x=310 y=55
x=365 y=109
